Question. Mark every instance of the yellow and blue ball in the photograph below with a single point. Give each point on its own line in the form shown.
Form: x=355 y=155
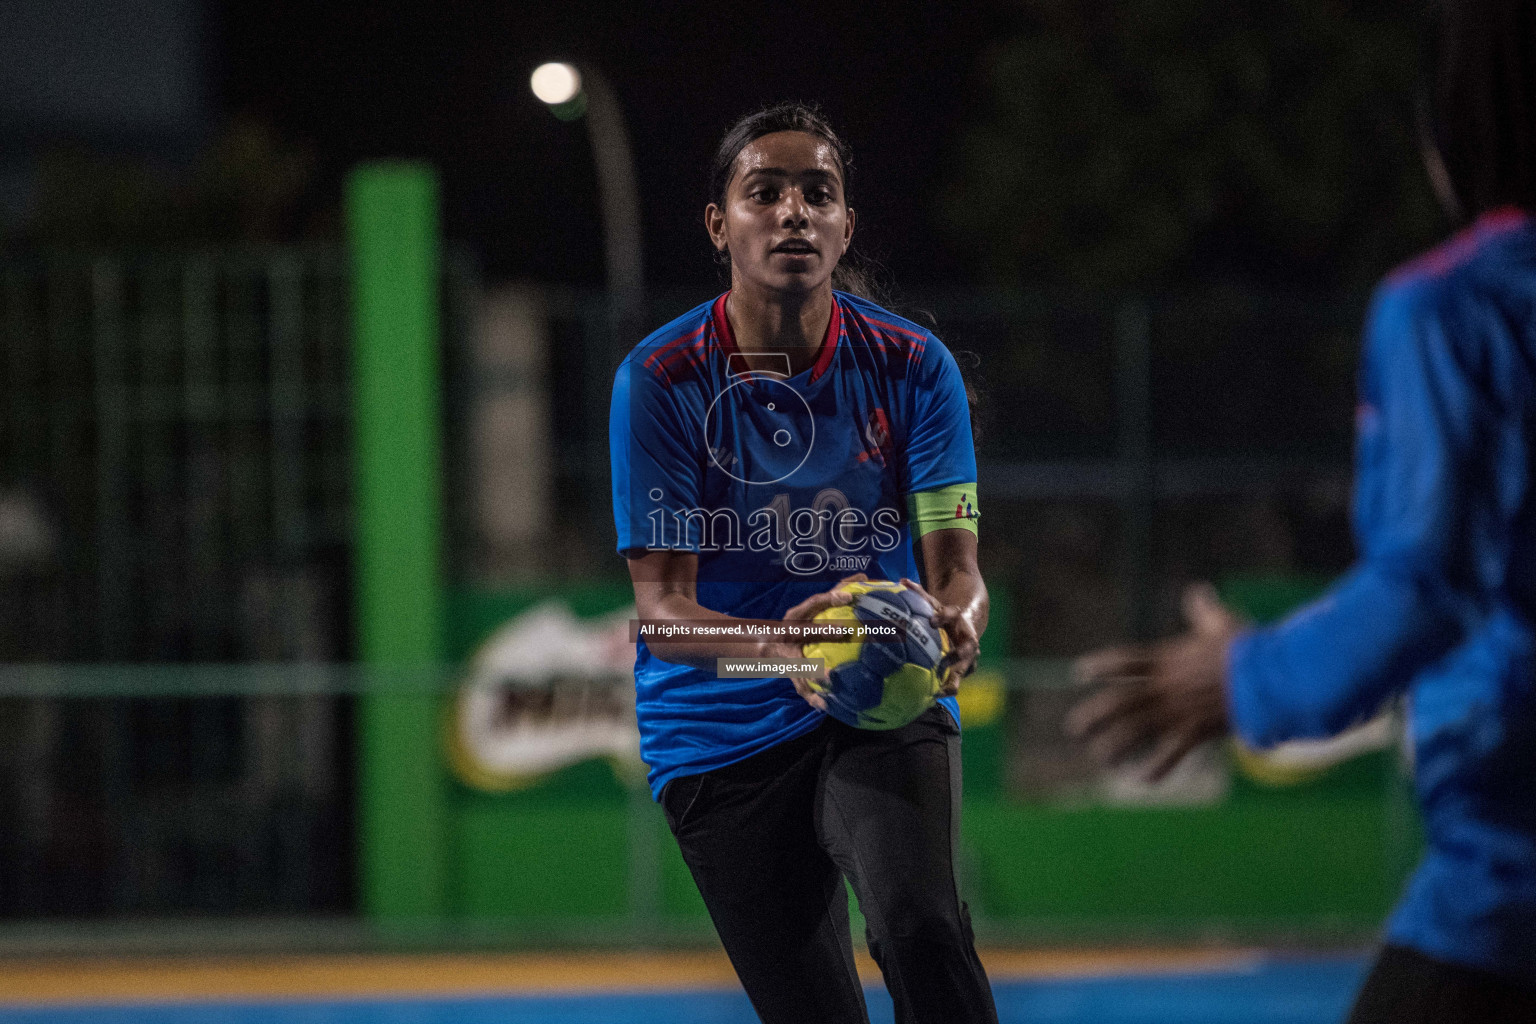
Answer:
x=882 y=683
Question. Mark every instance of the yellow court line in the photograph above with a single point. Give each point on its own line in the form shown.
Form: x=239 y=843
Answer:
x=390 y=975
x=1005 y=964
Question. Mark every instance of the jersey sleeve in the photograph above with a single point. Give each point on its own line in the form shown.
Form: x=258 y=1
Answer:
x=1405 y=603
x=654 y=452
x=940 y=478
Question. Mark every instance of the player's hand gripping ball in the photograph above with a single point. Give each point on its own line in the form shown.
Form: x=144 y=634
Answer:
x=877 y=682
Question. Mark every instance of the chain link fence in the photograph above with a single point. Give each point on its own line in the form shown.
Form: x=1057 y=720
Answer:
x=174 y=495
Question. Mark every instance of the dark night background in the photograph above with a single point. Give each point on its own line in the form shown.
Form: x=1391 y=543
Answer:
x=1024 y=169
x=449 y=83
x=1094 y=145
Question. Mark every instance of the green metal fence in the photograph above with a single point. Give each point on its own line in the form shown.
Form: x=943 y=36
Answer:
x=176 y=515
x=175 y=487
x=178 y=425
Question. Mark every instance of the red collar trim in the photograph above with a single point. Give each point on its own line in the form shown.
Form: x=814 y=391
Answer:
x=1501 y=217
x=823 y=355
x=829 y=342
x=723 y=327
x=1463 y=245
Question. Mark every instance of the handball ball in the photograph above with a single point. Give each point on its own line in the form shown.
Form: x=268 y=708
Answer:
x=876 y=682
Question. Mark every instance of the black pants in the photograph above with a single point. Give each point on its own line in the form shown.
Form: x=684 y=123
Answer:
x=1407 y=987
x=769 y=840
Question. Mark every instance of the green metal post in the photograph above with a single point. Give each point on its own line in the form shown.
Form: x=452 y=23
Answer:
x=393 y=232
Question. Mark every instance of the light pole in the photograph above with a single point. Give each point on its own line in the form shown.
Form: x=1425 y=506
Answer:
x=573 y=92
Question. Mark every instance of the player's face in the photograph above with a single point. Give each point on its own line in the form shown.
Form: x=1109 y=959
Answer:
x=786 y=221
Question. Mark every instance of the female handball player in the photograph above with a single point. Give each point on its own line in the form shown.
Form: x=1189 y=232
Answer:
x=765 y=445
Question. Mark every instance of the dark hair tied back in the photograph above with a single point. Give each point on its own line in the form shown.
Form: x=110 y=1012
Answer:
x=789 y=117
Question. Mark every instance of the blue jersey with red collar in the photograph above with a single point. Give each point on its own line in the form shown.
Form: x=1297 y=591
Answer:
x=783 y=485
x=1442 y=604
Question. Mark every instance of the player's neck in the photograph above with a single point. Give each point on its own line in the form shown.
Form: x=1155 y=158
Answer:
x=795 y=325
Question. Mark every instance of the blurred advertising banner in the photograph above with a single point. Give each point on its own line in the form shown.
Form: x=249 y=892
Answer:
x=546 y=690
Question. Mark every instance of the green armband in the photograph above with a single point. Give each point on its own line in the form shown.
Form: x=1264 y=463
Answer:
x=948 y=508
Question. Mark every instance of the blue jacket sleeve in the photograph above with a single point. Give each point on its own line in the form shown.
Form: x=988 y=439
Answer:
x=654 y=445
x=1404 y=604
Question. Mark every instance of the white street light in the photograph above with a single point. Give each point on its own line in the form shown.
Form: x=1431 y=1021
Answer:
x=587 y=95
x=555 y=83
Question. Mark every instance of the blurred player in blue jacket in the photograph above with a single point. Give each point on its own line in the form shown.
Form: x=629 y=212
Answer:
x=1442 y=604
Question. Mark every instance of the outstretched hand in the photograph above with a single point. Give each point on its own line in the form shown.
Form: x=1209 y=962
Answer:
x=1167 y=697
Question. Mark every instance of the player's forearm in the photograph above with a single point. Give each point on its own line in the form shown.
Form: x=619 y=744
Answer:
x=1334 y=663
x=703 y=652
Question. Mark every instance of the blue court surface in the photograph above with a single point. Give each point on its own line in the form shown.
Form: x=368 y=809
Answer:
x=1315 y=990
